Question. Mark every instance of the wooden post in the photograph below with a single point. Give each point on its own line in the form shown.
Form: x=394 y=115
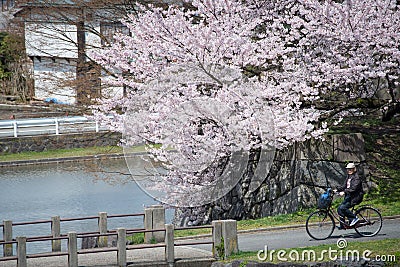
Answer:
x=148 y=225
x=103 y=240
x=154 y=218
x=217 y=238
x=229 y=233
x=21 y=251
x=158 y=222
x=7 y=236
x=55 y=232
x=169 y=244
x=121 y=245
x=72 y=249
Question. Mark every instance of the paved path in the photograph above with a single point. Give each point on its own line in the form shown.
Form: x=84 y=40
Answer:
x=294 y=238
x=142 y=257
x=249 y=241
x=297 y=237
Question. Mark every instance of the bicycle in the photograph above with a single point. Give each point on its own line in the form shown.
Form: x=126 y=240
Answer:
x=320 y=223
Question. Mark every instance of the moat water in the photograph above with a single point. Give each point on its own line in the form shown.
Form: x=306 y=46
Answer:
x=69 y=190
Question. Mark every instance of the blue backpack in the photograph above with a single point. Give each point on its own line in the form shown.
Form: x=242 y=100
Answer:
x=325 y=199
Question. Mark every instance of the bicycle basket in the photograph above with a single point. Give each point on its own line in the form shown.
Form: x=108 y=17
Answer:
x=325 y=200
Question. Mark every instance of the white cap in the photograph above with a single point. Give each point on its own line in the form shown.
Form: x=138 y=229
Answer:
x=350 y=166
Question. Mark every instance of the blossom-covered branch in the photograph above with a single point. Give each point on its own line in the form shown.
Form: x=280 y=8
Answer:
x=218 y=77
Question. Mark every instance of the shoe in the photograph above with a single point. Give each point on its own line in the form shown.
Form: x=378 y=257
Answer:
x=340 y=228
x=354 y=221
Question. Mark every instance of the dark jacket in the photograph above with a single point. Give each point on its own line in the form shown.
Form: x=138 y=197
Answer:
x=355 y=191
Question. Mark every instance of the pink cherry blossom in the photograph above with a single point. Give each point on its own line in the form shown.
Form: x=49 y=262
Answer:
x=228 y=76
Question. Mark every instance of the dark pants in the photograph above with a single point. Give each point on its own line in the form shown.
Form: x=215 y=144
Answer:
x=344 y=209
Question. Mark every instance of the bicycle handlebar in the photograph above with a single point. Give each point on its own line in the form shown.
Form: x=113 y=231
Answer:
x=333 y=192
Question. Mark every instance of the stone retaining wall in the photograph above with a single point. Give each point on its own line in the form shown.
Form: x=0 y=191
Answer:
x=63 y=141
x=296 y=179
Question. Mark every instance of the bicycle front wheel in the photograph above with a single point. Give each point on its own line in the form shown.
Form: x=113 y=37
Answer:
x=370 y=221
x=320 y=225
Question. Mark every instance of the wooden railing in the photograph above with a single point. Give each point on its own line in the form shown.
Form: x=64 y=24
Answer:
x=56 y=228
x=222 y=231
x=72 y=249
x=121 y=248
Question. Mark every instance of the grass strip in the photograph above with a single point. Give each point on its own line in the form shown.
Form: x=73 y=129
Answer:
x=71 y=152
x=386 y=250
x=65 y=153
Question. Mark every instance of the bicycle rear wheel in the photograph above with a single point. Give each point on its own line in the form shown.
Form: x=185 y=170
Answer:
x=370 y=221
x=320 y=225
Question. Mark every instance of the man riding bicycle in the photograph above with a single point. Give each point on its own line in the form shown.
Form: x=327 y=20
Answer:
x=353 y=192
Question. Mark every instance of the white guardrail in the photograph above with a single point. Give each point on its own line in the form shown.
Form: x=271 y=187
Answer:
x=40 y=126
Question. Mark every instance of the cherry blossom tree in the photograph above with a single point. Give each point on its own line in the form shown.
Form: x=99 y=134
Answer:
x=208 y=81
x=352 y=51
x=211 y=80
